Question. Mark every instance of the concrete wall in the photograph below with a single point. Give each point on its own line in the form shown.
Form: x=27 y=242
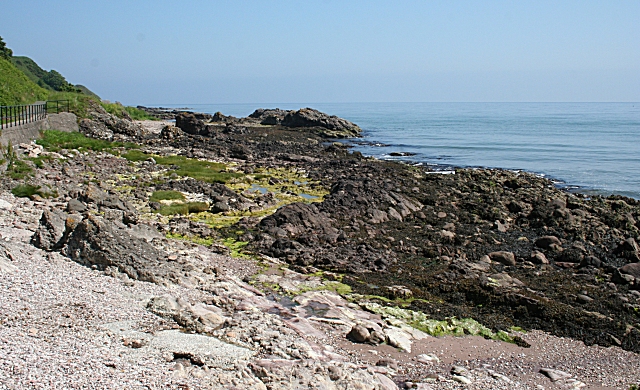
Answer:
x=26 y=133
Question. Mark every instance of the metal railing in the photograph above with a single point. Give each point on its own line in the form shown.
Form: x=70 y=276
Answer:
x=59 y=105
x=12 y=116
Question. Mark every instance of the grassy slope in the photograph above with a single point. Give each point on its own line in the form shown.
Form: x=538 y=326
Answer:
x=30 y=68
x=33 y=71
x=16 y=87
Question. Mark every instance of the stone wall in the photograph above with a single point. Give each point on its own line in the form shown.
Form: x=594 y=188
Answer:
x=28 y=132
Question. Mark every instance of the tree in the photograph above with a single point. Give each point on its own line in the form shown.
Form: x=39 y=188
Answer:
x=5 y=52
x=55 y=80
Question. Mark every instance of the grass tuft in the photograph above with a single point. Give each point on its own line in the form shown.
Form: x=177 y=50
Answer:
x=157 y=196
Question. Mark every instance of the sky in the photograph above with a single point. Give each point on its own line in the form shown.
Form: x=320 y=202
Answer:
x=334 y=51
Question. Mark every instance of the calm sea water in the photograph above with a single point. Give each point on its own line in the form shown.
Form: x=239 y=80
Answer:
x=590 y=147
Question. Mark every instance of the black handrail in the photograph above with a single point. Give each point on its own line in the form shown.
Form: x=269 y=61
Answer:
x=11 y=116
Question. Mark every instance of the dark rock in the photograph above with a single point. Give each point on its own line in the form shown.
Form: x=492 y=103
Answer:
x=590 y=261
x=297 y=218
x=170 y=132
x=506 y=258
x=220 y=207
x=50 y=234
x=572 y=255
x=359 y=334
x=558 y=203
x=622 y=278
x=308 y=117
x=96 y=241
x=628 y=245
x=548 y=242
x=188 y=123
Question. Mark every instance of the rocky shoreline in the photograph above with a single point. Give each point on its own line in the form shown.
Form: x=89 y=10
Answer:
x=299 y=263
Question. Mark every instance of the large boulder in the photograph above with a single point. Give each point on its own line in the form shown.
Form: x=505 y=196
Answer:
x=100 y=242
x=50 y=234
x=190 y=124
x=298 y=218
x=268 y=116
x=308 y=117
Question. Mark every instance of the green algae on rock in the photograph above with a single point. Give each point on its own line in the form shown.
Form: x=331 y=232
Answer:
x=450 y=326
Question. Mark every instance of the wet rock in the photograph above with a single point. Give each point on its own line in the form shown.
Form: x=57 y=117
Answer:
x=503 y=257
x=548 y=242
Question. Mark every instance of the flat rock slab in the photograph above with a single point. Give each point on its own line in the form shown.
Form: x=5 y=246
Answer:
x=203 y=350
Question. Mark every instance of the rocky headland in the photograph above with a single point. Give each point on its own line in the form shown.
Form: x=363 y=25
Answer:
x=261 y=252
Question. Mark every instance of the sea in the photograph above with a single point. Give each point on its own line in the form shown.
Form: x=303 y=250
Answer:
x=591 y=148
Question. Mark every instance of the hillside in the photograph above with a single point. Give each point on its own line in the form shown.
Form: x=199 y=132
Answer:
x=16 y=87
x=51 y=80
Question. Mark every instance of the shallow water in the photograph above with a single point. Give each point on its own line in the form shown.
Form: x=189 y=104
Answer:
x=591 y=146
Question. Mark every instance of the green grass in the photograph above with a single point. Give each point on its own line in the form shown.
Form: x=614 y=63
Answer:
x=119 y=110
x=183 y=208
x=55 y=140
x=18 y=170
x=16 y=87
x=39 y=161
x=157 y=196
x=138 y=114
x=210 y=172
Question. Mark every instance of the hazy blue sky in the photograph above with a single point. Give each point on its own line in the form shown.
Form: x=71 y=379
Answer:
x=162 y=52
